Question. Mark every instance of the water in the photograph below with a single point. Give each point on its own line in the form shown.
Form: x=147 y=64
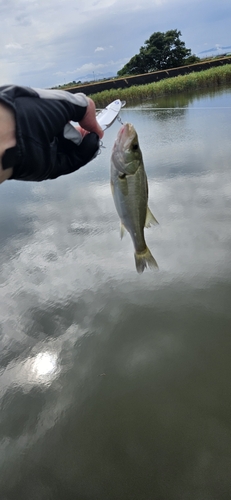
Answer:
x=115 y=385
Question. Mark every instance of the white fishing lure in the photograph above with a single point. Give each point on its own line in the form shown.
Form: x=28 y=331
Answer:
x=108 y=115
x=105 y=118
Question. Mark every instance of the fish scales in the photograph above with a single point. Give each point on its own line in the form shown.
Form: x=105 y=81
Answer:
x=130 y=192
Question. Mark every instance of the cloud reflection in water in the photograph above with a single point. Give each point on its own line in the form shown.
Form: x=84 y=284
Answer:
x=75 y=308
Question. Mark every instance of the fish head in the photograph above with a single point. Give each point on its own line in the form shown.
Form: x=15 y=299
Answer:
x=126 y=154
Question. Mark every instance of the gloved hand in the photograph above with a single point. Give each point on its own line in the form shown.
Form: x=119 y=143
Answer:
x=89 y=121
x=88 y=148
x=71 y=157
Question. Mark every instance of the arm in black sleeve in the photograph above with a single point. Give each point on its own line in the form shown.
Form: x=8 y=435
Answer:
x=47 y=145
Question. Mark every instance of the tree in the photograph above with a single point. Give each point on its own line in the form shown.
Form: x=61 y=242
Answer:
x=160 y=51
x=192 y=59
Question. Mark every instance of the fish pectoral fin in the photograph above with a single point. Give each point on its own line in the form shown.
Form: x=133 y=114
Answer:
x=150 y=219
x=122 y=230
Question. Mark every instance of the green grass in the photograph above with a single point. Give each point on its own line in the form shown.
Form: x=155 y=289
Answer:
x=210 y=78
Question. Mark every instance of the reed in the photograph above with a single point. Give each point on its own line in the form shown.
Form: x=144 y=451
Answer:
x=210 y=78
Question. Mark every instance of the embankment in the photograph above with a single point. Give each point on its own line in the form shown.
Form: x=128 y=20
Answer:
x=122 y=83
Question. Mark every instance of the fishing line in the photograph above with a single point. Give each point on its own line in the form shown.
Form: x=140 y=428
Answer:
x=166 y=109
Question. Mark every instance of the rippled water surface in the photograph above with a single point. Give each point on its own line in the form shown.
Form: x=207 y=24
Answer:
x=115 y=385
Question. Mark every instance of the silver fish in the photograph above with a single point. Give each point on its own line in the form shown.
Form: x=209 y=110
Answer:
x=130 y=192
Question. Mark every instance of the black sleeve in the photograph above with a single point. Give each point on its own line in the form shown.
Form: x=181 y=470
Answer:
x=40 y=113
x=43 y=149
x=45 y=116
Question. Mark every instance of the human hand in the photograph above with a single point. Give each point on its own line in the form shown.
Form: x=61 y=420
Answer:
x=89 y=122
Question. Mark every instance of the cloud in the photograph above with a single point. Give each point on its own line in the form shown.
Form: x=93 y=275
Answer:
x=15 y=46
x=89 y=70
x=86 y=68
x=97 y=27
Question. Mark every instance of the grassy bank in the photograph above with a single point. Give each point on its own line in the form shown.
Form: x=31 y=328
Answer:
x=210 y=78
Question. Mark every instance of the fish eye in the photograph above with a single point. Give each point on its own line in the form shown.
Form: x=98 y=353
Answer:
x=135 y=147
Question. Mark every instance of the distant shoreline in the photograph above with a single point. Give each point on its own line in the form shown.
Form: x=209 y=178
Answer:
x=207 y=79
x=126 y=82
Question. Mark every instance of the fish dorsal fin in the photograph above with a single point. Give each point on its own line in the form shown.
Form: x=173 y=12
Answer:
x=150 y=219
x=122 y=230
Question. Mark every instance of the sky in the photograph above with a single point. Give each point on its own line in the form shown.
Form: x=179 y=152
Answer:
x=44 y=44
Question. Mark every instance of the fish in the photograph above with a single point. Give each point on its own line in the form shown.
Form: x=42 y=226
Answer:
x=129 y=187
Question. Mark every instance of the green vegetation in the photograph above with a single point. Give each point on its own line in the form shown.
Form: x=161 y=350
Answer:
x=161 y=51
x=209 y=78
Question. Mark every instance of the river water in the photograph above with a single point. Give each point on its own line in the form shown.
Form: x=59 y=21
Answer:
x=115 y=385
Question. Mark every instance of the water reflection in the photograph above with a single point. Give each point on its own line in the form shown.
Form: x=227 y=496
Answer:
x=204 y=98
x=106 y=374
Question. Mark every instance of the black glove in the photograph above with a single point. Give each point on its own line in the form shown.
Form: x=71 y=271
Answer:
x=71 y=157
x=62 y=157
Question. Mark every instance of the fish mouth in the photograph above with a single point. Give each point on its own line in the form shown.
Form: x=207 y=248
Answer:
x=125 y=135
x=122 y=146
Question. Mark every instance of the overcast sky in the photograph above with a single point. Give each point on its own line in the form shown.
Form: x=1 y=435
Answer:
x=45 y=43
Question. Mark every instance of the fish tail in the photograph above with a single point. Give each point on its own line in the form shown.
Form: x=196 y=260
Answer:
x=142 y=259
